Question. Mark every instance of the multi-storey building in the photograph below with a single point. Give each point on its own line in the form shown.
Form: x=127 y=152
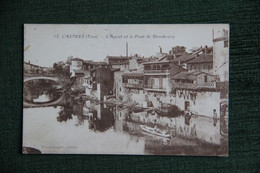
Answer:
x=78 y=65
x=203 y=62
x=157 y=81
x=220 y=55
x=196 y=92
x=157 y=75
x=120 y=62
x=96 y=77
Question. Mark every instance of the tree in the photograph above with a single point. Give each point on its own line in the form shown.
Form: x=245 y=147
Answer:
x=61 y=68
x=179 y=49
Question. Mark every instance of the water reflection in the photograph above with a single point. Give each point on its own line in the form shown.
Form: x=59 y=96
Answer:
x=41 y=91
x=189 y=136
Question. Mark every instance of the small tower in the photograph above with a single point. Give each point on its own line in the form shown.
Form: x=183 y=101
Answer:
x=221 y=54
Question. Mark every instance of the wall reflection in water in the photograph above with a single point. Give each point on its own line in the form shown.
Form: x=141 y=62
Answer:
x=189 y=136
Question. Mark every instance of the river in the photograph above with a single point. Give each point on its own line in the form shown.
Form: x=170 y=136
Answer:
x=86 y=127
x=113 y=130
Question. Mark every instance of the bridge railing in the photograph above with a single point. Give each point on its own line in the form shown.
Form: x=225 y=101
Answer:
x=40 y=75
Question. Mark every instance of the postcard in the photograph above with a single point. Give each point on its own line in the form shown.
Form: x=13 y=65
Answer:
x=141 y=89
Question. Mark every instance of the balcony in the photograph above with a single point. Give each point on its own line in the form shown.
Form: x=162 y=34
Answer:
x=194 y=86
x=184 y=85
x=131 y=85
x=206 y=85
x=155 y=88
x=156 y=72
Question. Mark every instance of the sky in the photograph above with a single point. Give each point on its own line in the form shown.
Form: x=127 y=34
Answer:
x=45 y=44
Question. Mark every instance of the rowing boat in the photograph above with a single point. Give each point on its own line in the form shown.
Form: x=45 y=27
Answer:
x=155 y=131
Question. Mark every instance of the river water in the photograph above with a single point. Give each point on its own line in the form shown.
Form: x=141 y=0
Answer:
x=102 y=129
x=89 y=128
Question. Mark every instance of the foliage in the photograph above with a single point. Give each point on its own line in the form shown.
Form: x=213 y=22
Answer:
x=61 y=68
x=179 y=49
x=169 y=111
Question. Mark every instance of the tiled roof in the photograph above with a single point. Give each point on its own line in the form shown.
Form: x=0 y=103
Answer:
x=202 y=58
x=199 y=72
x=156 y=62
x=184 y=58
x=184 y=75
x=94 y=63
x=118 y=63
x=176 y=69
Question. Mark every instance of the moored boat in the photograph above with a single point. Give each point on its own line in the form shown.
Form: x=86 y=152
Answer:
x=155 y=131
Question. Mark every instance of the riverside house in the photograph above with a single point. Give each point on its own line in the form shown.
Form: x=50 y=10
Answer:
x=120 y=62
x=196 y=92
x=157 y=81
x=96 y=77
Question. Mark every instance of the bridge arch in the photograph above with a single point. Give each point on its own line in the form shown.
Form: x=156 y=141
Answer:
x=41 y=77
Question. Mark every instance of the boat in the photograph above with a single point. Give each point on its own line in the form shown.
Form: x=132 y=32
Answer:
x=155 y=131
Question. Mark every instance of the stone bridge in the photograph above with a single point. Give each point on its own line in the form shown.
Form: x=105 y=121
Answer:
x=57 y=102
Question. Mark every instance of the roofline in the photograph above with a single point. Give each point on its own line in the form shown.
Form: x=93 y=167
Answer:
x=77 y=59
x=156 y=62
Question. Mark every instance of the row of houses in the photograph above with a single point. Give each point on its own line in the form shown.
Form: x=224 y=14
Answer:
x=33 y=69
x=196 y=81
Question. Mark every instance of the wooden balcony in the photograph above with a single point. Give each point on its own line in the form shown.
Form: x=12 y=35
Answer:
x=156 y=72
x=155 y=88
x=206 y=85
x=194 y=86
x=131 y=85
x=184 y=85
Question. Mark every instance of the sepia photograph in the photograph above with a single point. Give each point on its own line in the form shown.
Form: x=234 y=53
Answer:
x=131 y=89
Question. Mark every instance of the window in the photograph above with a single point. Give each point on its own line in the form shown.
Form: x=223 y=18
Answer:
x=205 y=78
x=226 y=43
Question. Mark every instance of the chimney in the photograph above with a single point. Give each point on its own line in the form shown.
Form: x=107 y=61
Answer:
x=160 y=49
